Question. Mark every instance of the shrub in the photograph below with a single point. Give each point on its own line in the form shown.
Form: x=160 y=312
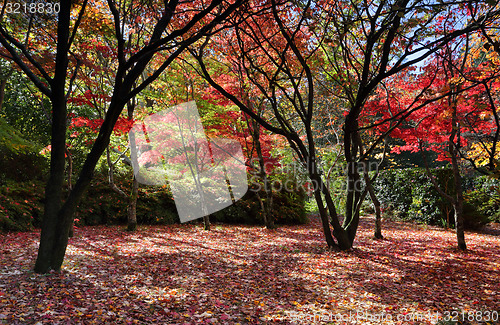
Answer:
x=394 y=191
x=19 y=158
x=484 y=195
x=155 y=205
x=289 y=205
x=101 y=205
x=244 y=211
x=21 y=205
x=410 y=195
x=473 y=218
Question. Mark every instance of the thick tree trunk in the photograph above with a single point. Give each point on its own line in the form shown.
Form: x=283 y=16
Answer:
x=353 y=202
x=52 y=218
x=53 y=193
x=352 y=143
x=323 y=213
x=343 y=241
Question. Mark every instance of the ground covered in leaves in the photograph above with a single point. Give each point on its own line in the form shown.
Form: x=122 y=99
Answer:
x=249 y=275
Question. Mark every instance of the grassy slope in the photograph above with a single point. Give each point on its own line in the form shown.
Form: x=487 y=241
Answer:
x=12 y=140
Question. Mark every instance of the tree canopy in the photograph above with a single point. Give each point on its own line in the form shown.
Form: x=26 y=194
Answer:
x=331 y=81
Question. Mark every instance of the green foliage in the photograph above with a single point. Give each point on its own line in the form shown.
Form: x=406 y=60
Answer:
x=289 y=204
x=394 y=191
x=19 y=158
x=473 y=217
x=21 y=107
x=22 y=169
x=483 y=193
x=410 y=195
x=155 y=205
x=101 y=205
x=21 y=205
x=289 y=207
x=244 y=211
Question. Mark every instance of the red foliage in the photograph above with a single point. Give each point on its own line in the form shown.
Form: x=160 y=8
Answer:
x=84 y=124
x=430 y=124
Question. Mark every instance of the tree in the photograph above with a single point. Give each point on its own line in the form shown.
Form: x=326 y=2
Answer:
x=446 y=125
x=221 y=119
x=170 y=27
x=365 y=43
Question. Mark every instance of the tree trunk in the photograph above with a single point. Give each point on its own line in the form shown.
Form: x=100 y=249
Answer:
x=132 y=207
x=459 y=226
x=323 y=213
x=352 y=143
x=378 y=219
x=70 y=184
x=343 y=241
x=206 y=222
x=53 y=193
x=53 y=216
x=268 y=203
x=376 y=204
x=353 y=202
x=458 y=202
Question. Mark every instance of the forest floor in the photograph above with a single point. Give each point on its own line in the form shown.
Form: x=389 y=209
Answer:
x=181 y=274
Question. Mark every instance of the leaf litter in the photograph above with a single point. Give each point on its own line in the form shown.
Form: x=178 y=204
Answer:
x=234 y=274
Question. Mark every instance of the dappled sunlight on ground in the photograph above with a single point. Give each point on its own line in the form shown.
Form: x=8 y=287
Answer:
x=182 y=274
